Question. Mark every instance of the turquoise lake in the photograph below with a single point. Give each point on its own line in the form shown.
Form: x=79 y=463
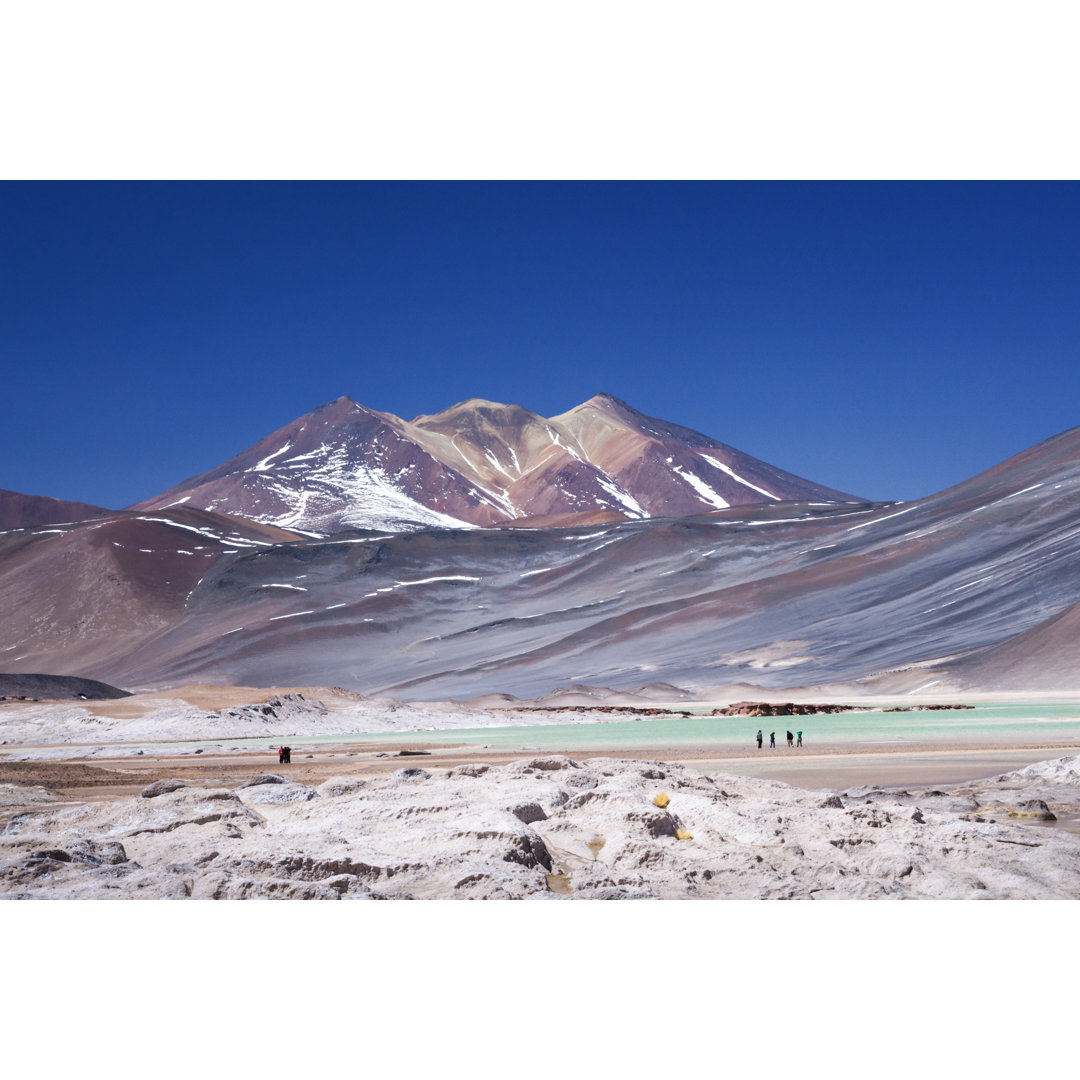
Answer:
x=1014 y=724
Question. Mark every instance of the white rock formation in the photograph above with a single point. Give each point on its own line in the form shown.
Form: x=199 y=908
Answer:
x=51 y=731
x=551 y=828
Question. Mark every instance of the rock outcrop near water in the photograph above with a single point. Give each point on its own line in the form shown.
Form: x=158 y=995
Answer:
x=554 y=828
x=782 y=708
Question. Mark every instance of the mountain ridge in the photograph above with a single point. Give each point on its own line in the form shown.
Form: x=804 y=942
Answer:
x=19 y=510
x=974 y=587
x=479 y=464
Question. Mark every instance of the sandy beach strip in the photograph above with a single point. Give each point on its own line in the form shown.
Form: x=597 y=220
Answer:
x=840 y=768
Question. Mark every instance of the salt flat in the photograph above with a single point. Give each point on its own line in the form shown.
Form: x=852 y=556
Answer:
x=171 y=797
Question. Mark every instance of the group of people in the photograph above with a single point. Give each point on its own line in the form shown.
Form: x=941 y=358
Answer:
x=791 y=739
x=284 y=754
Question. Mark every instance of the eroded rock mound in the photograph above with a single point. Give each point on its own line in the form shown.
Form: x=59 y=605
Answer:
x=161 y=787
x=280 y=707
x=265 y=778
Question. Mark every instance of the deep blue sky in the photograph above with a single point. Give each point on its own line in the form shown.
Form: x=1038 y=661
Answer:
x=886 y=339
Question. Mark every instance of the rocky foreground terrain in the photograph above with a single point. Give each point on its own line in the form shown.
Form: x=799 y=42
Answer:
x=551 y=828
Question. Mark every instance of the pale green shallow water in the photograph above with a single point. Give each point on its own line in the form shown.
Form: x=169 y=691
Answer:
x=1015 y=724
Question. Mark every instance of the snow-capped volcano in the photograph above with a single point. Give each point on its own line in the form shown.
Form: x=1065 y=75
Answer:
x=481 y=463
x=342 y=466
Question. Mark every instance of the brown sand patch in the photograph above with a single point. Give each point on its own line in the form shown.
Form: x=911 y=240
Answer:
x=122 y=777
x=59 y=775
x=216 y=698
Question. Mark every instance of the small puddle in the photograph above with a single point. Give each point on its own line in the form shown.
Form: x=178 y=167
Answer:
x=595 y=844
x=559 y=883
x=1066 y=822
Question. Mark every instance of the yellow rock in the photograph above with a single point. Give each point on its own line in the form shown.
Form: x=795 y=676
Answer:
x=661 y=800
x=682 y=834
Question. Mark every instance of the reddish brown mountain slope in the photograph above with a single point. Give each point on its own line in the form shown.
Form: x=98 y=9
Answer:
x=18 y=511
x=482 y=463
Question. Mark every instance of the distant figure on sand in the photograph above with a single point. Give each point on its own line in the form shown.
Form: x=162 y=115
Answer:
x=281 y=755
x=759 y=739
x=798 y=738
x=790 y=739
x=288 y=755
x=772 y=740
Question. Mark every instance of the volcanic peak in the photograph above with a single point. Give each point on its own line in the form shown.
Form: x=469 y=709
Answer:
x=483 y=463
x=477 y=414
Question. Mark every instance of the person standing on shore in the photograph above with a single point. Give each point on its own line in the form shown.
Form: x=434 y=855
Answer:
x=790 y=740
x=759 y=739
x=798 y=738
x=772 y=740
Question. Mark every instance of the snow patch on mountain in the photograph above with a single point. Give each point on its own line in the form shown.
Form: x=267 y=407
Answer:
x=263 y=465
x=350 y=494
x=701 y=488
x=736 y=477
x=569 y=449
x=627 y=501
